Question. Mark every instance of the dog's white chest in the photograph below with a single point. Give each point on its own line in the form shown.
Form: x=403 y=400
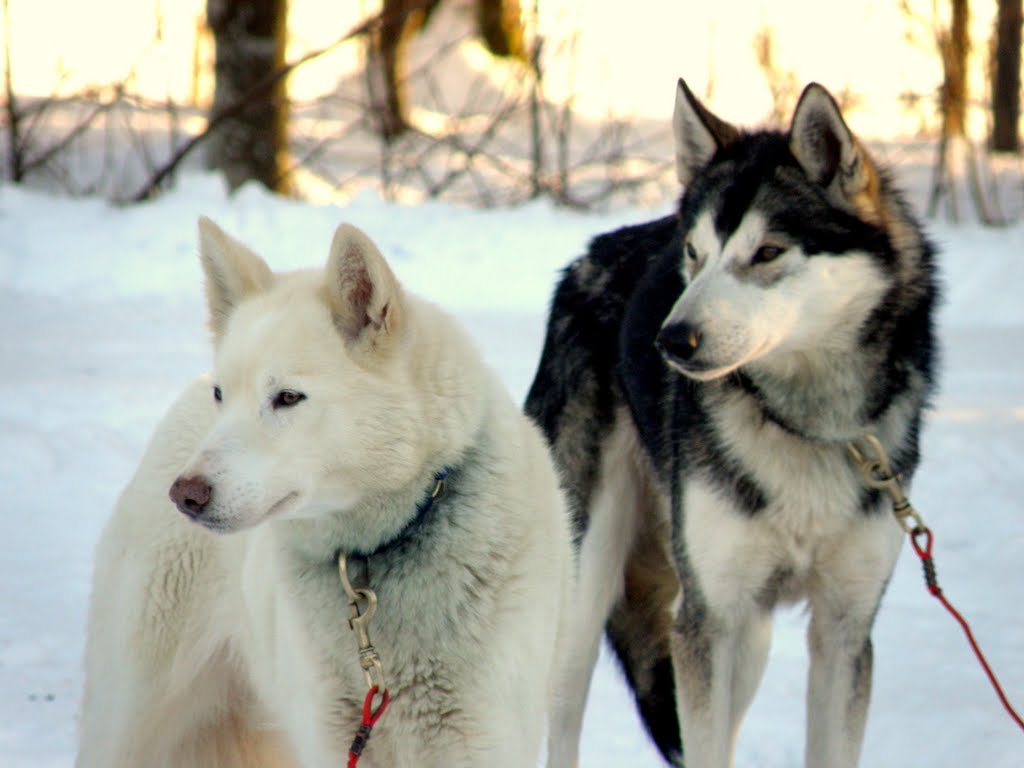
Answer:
x=812 y=499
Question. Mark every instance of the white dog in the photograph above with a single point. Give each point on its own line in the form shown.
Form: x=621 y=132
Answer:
x=345 y=417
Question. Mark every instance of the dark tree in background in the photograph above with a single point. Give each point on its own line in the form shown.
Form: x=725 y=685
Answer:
x=15 y=159
x=498 y=23
x=385 y=62
x=954 y=45
x=251 y=141
x=501 y=27
x=956 y=163
x=1006 y=77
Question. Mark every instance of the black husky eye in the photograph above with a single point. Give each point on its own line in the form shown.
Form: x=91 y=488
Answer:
x=767 y=253
x=217 y=394
x=691 y=252
x=286 y=398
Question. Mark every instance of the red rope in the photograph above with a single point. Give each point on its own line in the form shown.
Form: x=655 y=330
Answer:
x=370 y=718
x=925 y=553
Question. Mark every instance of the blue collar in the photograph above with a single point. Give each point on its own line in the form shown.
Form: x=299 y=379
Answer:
x=428 y=501
x=423 y=508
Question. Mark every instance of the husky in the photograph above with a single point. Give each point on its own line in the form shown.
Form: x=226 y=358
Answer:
x=349 y=429
x=703 y=379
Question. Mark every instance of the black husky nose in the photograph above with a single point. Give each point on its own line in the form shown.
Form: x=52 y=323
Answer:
x=191 y=495
x=679 y=340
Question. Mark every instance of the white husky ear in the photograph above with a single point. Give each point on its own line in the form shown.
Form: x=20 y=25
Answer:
x=233 y=272
x=826 y=149
x=698 y=134
x=364 y=294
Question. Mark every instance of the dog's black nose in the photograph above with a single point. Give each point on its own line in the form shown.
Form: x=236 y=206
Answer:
x=191 y=495
x=679 y=340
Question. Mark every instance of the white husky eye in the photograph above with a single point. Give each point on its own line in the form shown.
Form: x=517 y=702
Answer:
x=217 y=394
x=767 y=253
x=286 y=398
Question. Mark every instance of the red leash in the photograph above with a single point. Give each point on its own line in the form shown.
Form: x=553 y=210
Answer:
x=871 y=457
x=925 y=553
x=370 y=718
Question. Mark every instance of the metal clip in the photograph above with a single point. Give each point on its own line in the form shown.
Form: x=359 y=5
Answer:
x=369 y=660
x=878 y=474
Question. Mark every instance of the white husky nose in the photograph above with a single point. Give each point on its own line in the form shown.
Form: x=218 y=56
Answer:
x=191 y=495
x=679 y=340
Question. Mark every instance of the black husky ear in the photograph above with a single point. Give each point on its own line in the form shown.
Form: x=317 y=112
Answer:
x=826 y=149
x=698 y=134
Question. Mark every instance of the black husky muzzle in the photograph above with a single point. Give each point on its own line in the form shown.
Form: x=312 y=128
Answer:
x=678 y=342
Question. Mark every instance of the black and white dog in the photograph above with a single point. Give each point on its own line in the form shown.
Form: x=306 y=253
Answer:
x=702 y=379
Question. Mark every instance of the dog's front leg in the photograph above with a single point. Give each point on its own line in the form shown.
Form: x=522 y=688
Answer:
x=837 y=697
x=844 y=600
x=718 y=667
x=722 y=630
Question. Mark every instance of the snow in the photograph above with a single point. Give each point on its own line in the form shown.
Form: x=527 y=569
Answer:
x=102 y=323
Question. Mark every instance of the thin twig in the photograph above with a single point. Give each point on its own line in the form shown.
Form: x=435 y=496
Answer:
x=57 y=148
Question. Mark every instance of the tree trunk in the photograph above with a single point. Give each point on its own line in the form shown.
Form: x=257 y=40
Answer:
x=501 y=27
x=15 y=153
x=954 y=50
x=1006 y=77
x=498 y=24
x=249 y=38
x=956 y=162
x=385 y=66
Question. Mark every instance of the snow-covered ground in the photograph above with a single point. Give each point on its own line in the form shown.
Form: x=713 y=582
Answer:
x=102 y=322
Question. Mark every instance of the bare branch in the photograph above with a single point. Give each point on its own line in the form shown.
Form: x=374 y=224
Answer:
x=257 y=91
x=60 y=146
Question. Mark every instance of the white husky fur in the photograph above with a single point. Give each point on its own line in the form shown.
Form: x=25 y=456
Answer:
x=226 y=644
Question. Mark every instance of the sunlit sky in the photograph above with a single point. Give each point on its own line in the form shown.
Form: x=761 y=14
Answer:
x=628 y=56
